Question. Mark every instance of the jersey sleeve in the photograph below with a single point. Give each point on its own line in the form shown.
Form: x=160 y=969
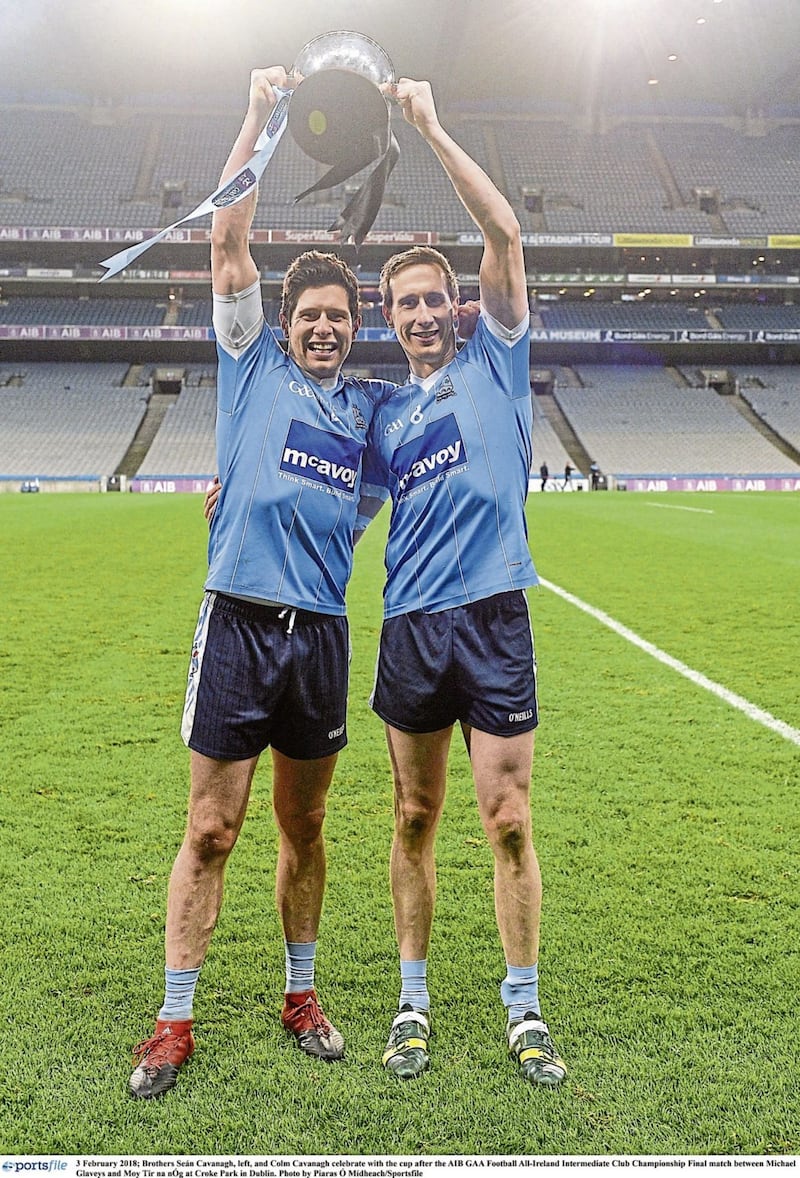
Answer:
x=237 y=319
x=503 y=354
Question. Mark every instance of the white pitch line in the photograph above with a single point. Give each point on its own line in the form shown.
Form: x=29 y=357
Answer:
x=730 y=697
x=676 y=507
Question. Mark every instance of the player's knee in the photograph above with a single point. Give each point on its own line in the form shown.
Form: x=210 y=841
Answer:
x=211 y=841
x=303 y=827
x=509 y=833
x=414 y=821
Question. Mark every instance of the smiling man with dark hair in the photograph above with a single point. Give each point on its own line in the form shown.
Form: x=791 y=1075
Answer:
x=269 y=663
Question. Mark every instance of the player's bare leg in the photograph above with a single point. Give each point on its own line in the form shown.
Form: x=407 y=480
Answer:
x=419 y=767
x=217 y=805
x=502 y=771
x=299 y=792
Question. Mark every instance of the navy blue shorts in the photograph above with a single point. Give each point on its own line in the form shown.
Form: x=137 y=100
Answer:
x=266 y=675
x=474 y=663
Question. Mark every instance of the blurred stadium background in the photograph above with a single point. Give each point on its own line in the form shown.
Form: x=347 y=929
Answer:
x=651 y=149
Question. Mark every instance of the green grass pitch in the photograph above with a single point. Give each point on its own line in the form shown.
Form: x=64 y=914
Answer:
x=666 y=823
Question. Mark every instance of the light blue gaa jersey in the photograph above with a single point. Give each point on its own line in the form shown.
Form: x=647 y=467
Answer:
x=455 y=453
x=289 y=458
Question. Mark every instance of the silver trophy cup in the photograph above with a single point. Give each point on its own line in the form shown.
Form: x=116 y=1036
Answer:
x=344 y=50
x=340 y=117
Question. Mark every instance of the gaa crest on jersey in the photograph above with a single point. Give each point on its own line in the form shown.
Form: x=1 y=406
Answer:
x=315 y=456
x=445 y=389
x=435 y=454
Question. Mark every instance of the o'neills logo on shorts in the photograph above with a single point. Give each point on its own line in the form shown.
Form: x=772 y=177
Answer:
x=315 y=455
x=436 y=453
x=518 y=717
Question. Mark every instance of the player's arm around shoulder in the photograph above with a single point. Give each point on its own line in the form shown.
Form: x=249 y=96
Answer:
x=375 y=474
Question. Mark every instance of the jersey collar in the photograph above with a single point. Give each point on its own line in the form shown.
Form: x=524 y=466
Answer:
x=428 y=382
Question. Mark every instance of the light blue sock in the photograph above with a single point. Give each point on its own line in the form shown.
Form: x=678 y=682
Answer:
x=179 y=993
x=520 y=991
x=300 y=959
x=414 y=989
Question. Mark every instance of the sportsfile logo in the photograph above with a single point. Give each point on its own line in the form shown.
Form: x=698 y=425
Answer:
x=328 y=460
x=35 y=1165
x=436 y=453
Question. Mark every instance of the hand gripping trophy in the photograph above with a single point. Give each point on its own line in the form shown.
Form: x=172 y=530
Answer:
x=338 y=113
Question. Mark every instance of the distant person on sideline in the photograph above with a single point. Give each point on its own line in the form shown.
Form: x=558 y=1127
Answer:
x=544 y=474
x=269 y=664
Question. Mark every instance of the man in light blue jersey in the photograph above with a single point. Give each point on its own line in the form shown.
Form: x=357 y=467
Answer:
x=269 y=662
x=453 y=446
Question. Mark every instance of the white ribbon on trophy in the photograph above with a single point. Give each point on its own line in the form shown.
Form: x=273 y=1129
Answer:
x=339 y=116
x=229 y=193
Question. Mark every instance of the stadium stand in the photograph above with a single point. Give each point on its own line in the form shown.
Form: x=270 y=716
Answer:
x=98 y=187
x=195 y=313
x=67 y=420
x=151 y=168
x=142 y=168
x=638 y=421
x=757 y=177
x=590 y=182
x=773 y=392
x=591 y=313
x=760 y=317
x=85 y=311
x=398 y=373
x=184 y=444
x=188 y=158
x=547 y=446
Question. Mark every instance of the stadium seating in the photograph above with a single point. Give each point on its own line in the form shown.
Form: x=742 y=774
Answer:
x=757 y=177
x=77 y=419
x=152 y=168
x=142 y=168
x=637 y=420
x=185 y=443
x=547 y=446
x=98 y=187
x=590 y=182
x=593 y=313
x=773 y=391
x=760 y=317
x=195 y=313
x=67 y=420
x=95 y=311
x=149 y=168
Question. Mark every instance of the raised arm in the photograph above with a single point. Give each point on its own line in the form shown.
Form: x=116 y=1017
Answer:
x=232 y=266
x=504 y=291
